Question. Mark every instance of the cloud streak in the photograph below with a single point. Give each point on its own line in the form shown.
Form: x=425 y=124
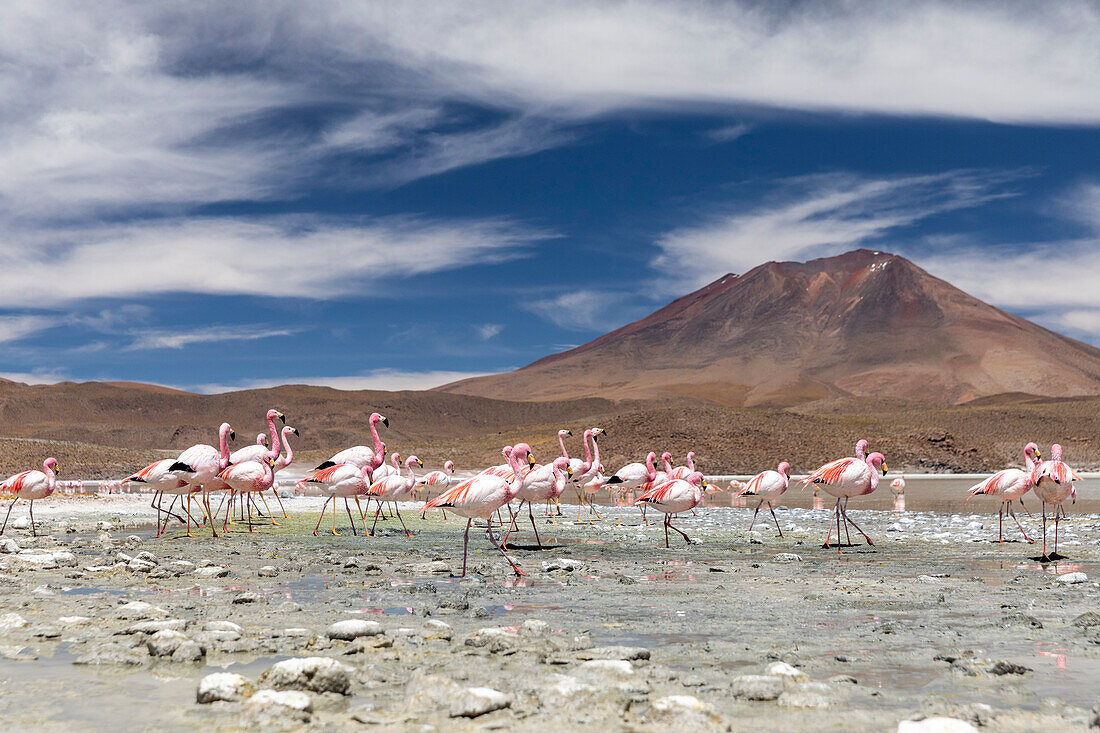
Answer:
x=378 y=379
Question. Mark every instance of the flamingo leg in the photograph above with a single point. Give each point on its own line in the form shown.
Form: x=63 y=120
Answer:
x=1056 y=519
x=1021 y=500
x=489 y=532
x=1000 y=524
x=644 y=517
x=10 y=506
x=666 y=530
x=348 y=509
x=228 y=513
x=280 y=500
x=512 y=524
x=323 y=508
x=532 y=516
x=1012 y=512
x=270 y=513
x=770 y=509
x=847 y=535
x=376 y=512
x=466 y=545
x=362 y=515
x=676 y=529
x=334 y=532
x=249 y=503
x=34 y=532
x=849 y=521
x=1044 y=530
x=397 y=510
x=829 y=535
x=755 y=513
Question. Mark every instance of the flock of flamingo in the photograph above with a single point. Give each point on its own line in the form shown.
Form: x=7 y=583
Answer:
x=361 y=472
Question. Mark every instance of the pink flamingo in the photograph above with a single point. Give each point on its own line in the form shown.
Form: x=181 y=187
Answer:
x=159 y=478
x=897 y=486
x=482 y=495
x=769 y=486
x=542 y=483
x=361 y=455
x=252 y=452
x=845 y=478
x=287 y=457
x=249 y=477
x=31 y=485
x=341 y=481
x=683 y=471
x=394 y=488
x=587 y=471
x=1010 y=485
x=861 y=449
x=1053 y=481
x=632 y=476
x=675 y=496
x=200 y=465
x=438 y=480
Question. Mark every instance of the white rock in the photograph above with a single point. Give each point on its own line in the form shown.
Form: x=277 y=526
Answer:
x=222 y=686
x=757 y=687
x=936 y=725
x=270 y=709
x=429 y=568
x=785 y=557
x=474 y=701
x=434 y=629
x=164 y=642
x=21 y=523
x=606 y=669
x=74 y=620
x=315 y=674
x=782 y=669
x=28 y=560
x=565 y=563
x=683 y=712
x=223 y=626
x=534 y=627
x=141 y=566
x=212 y=571
x=9 y=546
x=139 y=611
x=895 y=527
x=179 y=567
x=11 y=621
x=152 y=627
x=268 y=571
x=1072 y=578
x=64 y=559
x=353 y=629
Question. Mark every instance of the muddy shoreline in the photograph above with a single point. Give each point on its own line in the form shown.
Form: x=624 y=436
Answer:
x=609 y=631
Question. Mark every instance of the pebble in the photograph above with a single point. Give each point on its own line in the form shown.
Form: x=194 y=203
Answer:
x=189 y=651
x=471 y=702
x=164 y=642
x=212 y=571
x=1087 y=620
x=9 y=546
x=606 y=669
x=936 y=725
x=313 y=674
x=11 y=621
x=757 y=687
x=787 y=557
x=683 y=712
x=534 y=627
x=222 y=687
x=152 y=627
x=139 y=610
x=268 y=708
x=564 y=563
x=179 y=567
x=629 y=653
x=429 y=568
x=1072 y=578
x=268 y=571
x=1001 y=668
x=437 y=630
x=782 y=669
x=245 y=598
x=353 y=629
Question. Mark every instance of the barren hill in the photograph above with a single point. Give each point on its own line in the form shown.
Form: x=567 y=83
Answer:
x=867 y=324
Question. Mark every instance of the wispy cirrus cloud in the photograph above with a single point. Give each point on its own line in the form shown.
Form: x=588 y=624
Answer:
x=14 y=328
x=178 y=339
x=487 y=331
x=589 y=309
x=378 y=379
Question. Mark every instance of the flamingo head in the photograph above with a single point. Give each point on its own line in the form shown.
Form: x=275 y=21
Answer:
x=1032 y=451
x=691 y=456
x=289 y=429
x=785 y=469
x=666 y=457
x=561 y=463
x=695 y=478
x=563 y=433
x=413 y=460
x=878 y=461
x=1056 y=452
x=274 y=414
x=522 y=452
x=597 y=431
x=449 y=466
x=262 y=439
x=395 y=457
x=375 y=418
x=50 y=464
x=226 y=430
x=861 y=447
x=506 y=451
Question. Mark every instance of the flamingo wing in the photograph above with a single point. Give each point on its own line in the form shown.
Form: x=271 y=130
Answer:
x=658 y=493
x=831 y=473
x=995 y=484
x=752 y=486
x=16 y=483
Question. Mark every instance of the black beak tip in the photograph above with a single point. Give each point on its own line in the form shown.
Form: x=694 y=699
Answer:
x=232 y=434
x=282 y=418
x=295 y=431
x=386 y=421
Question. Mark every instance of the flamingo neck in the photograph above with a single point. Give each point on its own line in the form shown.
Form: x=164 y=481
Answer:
x=587 y=465
x=377 y=440
x=874 y=474
x=561 y=442
x=289 y=451
x=1029 y=462
x=668 y=466
x=274 y=431
x=223 y=443
x=51 y=477
x=651 y=472
x=691 y=462
x=595 y=462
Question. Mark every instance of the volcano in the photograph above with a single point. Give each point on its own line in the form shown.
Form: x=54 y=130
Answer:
x=860 y=324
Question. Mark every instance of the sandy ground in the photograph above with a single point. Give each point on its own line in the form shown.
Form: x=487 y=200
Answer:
x=610 y=630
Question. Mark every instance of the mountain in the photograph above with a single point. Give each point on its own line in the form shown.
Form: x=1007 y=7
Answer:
x=862 y=324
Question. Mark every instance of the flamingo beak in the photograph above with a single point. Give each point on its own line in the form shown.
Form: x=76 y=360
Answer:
x=282 y=417
x=1038 y=456
x=569 y=470
x=530 y=459
x=386 y=421
x=420 y=463
x=884 y=469
x=295 y=431
x=569 y=433
x=232 y=434
x=57 y=469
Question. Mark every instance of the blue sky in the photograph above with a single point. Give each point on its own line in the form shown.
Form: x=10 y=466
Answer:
x=394 y=195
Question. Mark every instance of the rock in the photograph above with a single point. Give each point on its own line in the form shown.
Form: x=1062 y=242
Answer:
x=895 y=527
x=353 y=629
x=152 y=627
x=1003 y=668
x=245 y=598
x=146 y=556
x=268 y=709
x=313 y=674
x=1021 y=619
x=534 y=627
x=12 y=621
x=113 y=653
x=683 y=712
x=787 y=557
x=474 y=701
x=9 y=546
x=164 y=642
x=1072 y=578
x=179 y=567
x=437 y=630
x=757 y=687
x=21 y=523
x=936 y=725
x=132 y=542
x=223 y=687
x=782 y=669
x=566 y=564
x=602 y=670
x=68 y=621
x=430 y=691
x=141 y=566
x=289 y=607
x=189 y=651
x=28 y=560
x=810 y=695
x=268 y=571
x=563 y=692
x=139 y=610
x=1095 y=722
x=46 y=632
x=212 y=571
x=1087 y=620
x=224 y=626
x=496 y=640
x=429 y=568
x=64 y=559
x=629 y=653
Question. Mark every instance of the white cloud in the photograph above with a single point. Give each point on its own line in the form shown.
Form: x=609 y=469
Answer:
x=729 y=132
x=816 y=216
x=13 y=328
x=487 y=331
x=40 y=377
x=589 y=310
x=295 y=256
x=378 y=379
x=161 y=339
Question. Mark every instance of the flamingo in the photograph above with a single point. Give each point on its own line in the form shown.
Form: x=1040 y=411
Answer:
x=482 y=495
x=361 y=455
x=31 y=485
x=769 y=486
x=252 y=452
x=897 y=486
x=845 y=478
x=439 y=480
x=158 y=476
x=248 y=477
x=542 y=483
x=632 y=476
x=200 y=465
x=1010 y=485
x=683 y=471
x=1053 y=482
x=675 y=496
x=394 y=488
x=587 y=471
x=342 y=481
